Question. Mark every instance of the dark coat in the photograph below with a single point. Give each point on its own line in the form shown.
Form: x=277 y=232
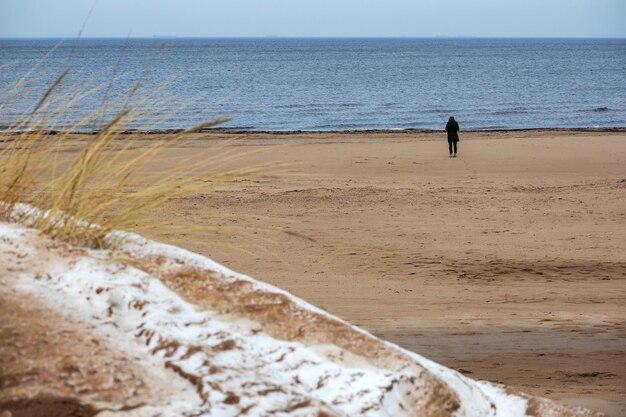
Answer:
x=452 y=128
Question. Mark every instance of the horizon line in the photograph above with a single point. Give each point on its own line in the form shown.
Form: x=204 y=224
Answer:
x=309 y=37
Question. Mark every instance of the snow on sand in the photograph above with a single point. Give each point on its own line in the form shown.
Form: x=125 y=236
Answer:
x=225 y=344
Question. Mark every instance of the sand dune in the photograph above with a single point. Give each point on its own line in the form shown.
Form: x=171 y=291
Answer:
x=240 y=346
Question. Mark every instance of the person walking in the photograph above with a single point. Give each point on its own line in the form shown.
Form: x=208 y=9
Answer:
x=452 y=127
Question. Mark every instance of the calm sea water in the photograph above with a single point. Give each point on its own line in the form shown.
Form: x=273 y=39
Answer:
x=327 y=84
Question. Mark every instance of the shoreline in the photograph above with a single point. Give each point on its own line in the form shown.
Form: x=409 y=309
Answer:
x=236 y=131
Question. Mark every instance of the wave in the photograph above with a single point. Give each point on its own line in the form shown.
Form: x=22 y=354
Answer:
x=317 y=105
x=507 y=112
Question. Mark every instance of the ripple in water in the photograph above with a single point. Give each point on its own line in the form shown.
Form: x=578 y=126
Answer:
x=334 y=84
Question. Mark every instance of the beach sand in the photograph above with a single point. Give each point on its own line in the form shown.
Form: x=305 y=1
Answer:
x=507 y=263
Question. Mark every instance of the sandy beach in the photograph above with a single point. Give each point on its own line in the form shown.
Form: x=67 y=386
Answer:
x=206 y=213
x=506 y=263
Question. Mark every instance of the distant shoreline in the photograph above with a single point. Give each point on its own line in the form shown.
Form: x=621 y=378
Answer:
x=327 y=132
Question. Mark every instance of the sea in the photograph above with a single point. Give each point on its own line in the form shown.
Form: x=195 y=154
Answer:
x=276 y=84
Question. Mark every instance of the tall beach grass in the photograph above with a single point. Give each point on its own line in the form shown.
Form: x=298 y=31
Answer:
x=82 y=186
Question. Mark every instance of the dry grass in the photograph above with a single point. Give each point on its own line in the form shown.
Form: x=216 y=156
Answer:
x=85 y=186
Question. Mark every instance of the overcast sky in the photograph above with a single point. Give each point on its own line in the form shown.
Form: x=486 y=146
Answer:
x=311 y=18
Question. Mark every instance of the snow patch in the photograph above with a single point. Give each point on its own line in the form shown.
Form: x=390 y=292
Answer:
x=233 y=365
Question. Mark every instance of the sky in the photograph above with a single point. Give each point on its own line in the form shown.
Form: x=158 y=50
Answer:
x=313 y=18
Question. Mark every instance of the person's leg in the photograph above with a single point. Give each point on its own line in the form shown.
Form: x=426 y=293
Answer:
x=455 y=145
x=450 y=147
